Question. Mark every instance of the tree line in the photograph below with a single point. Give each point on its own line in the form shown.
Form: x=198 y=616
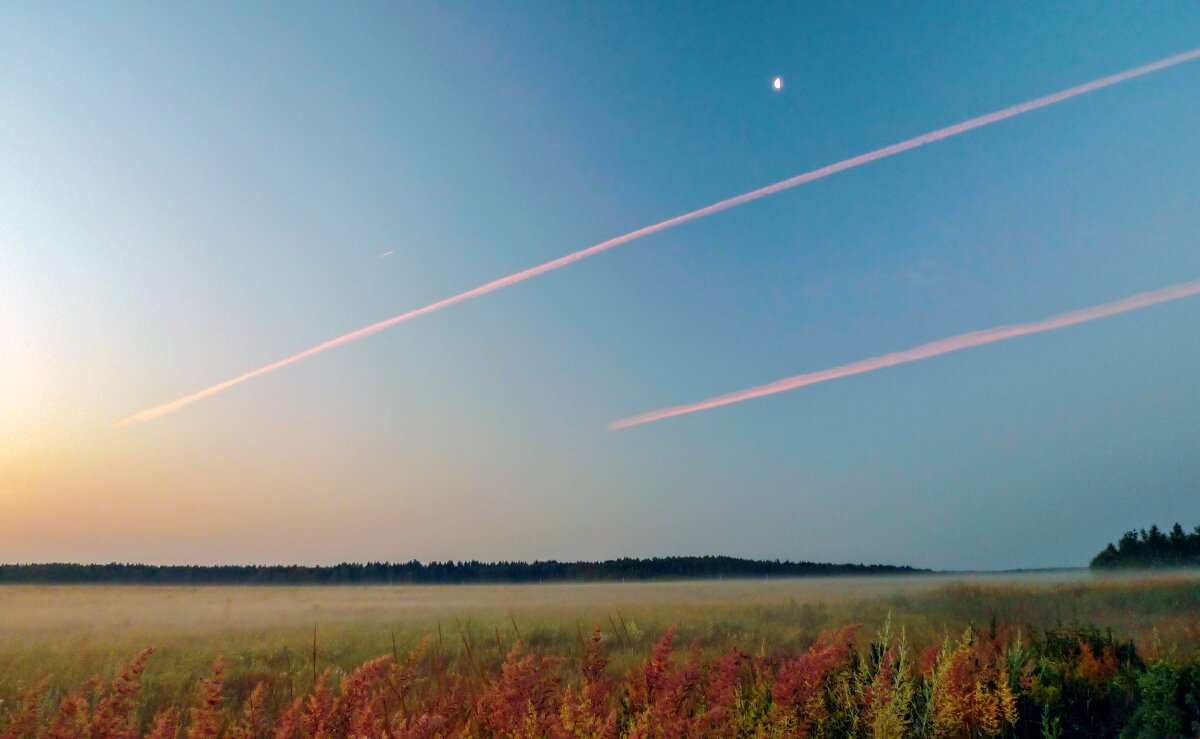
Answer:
x=1152 y=548
x=414 y=572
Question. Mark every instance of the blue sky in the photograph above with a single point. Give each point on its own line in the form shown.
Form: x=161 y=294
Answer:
x=189 y=192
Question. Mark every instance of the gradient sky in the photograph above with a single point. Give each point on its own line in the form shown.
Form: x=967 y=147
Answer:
x=188 y=192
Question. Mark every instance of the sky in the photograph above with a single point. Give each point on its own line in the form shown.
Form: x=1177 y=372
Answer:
x=189 y=192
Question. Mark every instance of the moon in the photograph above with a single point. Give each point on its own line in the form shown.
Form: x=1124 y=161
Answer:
x=778 y=83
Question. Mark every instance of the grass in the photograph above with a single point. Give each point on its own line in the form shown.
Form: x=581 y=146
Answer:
x=71 y=633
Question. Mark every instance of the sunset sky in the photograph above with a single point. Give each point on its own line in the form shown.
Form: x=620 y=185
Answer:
x=190 y=192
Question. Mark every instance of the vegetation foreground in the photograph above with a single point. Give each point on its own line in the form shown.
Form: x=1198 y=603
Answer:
x=1073 y=682
x=750 y=659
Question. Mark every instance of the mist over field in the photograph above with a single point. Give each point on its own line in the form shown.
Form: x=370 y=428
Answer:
x=295 y=634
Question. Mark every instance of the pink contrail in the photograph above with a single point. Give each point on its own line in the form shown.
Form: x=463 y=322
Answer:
x=925 y=351
x=816 y=174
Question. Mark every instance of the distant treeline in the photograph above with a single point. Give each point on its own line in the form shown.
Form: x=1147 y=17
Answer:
x=448 y=573
x=1152 y=548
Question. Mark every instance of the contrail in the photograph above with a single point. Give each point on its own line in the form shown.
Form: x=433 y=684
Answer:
x=925 y=351
x=816 y=174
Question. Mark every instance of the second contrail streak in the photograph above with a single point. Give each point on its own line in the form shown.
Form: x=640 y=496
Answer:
x=925 y=351
x=816 y=174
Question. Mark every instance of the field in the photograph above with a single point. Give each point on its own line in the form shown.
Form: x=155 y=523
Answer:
x=293 y=635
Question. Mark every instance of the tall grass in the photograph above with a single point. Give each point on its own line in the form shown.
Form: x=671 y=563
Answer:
x=1069 y=682
x=268 y=636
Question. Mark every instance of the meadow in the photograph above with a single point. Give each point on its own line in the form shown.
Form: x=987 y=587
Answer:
x=287 y=638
